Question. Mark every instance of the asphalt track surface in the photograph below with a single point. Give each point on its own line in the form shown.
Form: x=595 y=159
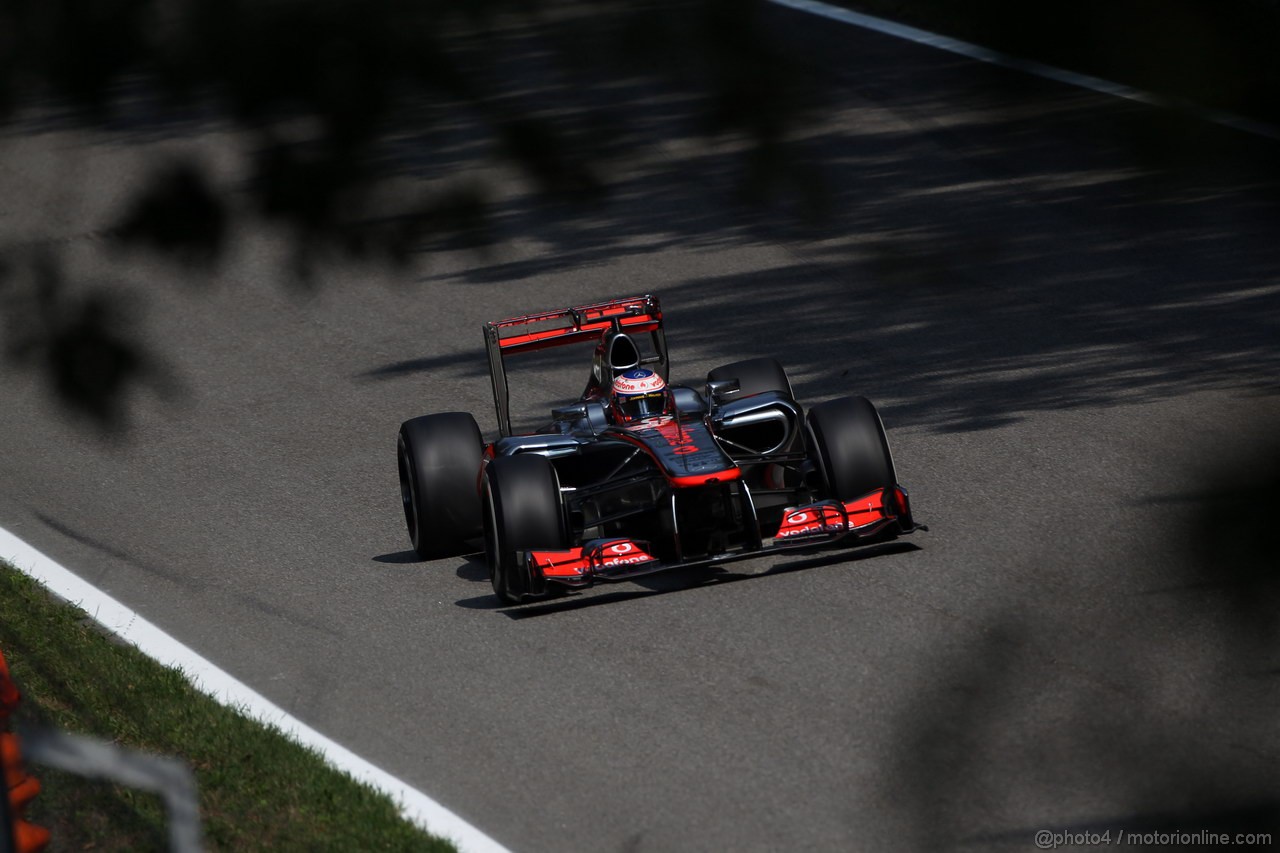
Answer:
x=1066 y=308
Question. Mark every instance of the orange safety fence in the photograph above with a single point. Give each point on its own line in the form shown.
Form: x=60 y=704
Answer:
x=20 y=786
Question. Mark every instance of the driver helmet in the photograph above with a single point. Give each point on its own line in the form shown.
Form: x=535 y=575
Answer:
x=639 y=394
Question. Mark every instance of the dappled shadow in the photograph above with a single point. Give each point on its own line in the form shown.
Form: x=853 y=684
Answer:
x=409 y=366
x=1232 y=534
x=988 y=251
x=1215 y=55
x=960 y=243
x=1191 y=830
x=992 y=735
x=379 y=132
x=1138 y=712
x=991 y=248
x=83 y=338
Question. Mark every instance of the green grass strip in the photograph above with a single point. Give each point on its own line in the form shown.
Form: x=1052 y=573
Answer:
x=258 y=789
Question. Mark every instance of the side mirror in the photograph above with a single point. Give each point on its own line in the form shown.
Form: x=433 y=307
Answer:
x=568 y=418
x=719 y=387
x=570 y=413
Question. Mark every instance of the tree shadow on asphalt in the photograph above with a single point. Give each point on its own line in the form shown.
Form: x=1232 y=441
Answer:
x=1026 y=255
x=961 y=243
x=377 y=133
x=1149 y=710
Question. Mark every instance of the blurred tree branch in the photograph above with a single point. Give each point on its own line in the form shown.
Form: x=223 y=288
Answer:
x=322 y=87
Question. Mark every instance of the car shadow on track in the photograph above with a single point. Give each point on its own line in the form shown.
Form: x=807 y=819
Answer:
x=473 y=570
x=409 y=556
x=674 y=581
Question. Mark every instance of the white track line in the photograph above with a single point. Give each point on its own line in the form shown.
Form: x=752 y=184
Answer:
x=1027 y=66
x=208 y=678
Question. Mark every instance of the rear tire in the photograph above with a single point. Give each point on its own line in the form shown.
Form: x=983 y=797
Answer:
x=848 y=445
x=439 y=461
x=755 y=376
x=522 y=512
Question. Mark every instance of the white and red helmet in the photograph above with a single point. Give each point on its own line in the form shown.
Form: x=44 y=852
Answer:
x=639 y=394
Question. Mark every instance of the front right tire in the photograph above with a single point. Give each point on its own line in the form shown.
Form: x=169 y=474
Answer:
x=523 y=512
x=439 y=461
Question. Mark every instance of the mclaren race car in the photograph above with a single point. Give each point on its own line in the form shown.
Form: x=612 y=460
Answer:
x=639 y=476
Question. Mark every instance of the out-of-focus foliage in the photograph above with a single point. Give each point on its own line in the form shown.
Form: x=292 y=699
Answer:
x=342 y=97
x=83 y=342
x=324 y=85
x=1237 y=549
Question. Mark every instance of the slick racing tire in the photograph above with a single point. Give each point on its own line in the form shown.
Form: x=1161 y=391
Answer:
x=755 y=376
x=523 y=512
x=848 y=446
x=439 y=461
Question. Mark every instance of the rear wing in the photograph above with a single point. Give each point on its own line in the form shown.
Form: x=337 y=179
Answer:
x=586 y=324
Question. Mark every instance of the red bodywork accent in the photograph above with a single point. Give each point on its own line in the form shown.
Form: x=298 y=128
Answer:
x=827 y=518
x=802 y=527
x=681 y=442
x=576 y=562
x=9 y=695
x=17 y=786
x=633 y=314
x=705 y=479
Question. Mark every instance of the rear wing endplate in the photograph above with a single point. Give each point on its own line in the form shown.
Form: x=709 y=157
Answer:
x=633 y=315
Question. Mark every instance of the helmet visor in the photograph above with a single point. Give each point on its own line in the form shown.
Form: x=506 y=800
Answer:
x=634 y=406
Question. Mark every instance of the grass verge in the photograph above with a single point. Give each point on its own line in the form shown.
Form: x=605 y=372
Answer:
x=258 y=789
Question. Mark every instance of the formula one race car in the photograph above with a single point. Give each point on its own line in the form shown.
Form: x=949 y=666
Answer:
x=639 y=476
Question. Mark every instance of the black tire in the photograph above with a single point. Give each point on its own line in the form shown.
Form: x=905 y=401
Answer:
x=755 y=376
x=439 y=461
x=848 y=445
x=523 y=511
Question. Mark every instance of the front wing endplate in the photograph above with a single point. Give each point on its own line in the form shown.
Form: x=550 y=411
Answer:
x=822 y=523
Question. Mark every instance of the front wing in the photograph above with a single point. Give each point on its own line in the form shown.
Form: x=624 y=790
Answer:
x=803 y=527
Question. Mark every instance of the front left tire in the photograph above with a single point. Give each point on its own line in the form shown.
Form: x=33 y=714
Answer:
x=848 y=446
